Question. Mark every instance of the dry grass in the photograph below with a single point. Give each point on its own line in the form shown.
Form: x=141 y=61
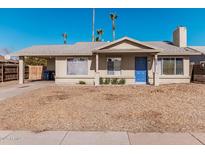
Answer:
x=167 y=108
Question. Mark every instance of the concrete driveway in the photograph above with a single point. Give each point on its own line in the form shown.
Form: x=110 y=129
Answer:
x=99 y=138
x=17 y=89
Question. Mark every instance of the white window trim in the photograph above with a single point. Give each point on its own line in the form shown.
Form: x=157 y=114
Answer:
x=76 y=74
x=174 y=66
x=120 y=65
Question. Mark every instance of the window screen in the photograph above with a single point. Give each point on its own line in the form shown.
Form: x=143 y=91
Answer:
x=179 y=66
x=168 y=66
x=77 y=66
x=171 y=66
x=114 y=66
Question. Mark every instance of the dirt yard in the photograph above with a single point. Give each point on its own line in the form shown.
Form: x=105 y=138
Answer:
x=8 y=83
x=168 y=108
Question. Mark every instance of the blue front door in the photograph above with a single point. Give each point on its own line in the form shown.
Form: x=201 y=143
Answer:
x=140 y=69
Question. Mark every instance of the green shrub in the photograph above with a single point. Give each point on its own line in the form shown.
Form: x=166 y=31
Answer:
x=114 y=81
x=82 y=82
x=107 y=81
x=101 y=81
x=121 y=81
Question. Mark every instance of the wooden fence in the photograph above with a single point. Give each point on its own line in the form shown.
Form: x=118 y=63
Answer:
x=10 y=72
x=35 y=72
x=198 y=74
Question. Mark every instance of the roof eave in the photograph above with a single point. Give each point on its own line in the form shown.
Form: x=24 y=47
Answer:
x=126 y=51
x=178 y=54
x=49 y=55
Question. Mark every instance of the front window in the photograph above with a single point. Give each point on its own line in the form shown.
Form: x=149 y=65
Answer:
x=114 y=66
x=77 y=66
x=170 y=66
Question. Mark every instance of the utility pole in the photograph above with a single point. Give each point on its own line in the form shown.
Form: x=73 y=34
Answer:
x=93 y=26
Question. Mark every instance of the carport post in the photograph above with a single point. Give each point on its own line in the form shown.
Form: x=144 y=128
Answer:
x=21 y=70
x=155 y=73
x=97 y=77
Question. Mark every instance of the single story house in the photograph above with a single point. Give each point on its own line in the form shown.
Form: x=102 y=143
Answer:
x=2 y=57
x=159 y=62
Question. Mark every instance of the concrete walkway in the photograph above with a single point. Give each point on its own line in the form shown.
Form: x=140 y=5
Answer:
x=100 y=138
x=17 y=89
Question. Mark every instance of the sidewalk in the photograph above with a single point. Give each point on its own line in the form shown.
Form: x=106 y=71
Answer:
x=17 y=89
x=99 y=138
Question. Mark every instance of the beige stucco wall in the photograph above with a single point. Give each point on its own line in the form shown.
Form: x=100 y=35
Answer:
x=126 y=45
x=51 y=64
x=180 y=37
x=127 y=70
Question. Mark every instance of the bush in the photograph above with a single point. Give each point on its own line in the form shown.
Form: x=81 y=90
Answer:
x=101 y=81
x=107 y=81
x=121 y=81
x=82 y=82
x=114 y=81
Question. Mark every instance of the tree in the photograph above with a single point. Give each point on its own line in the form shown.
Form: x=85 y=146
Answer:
x=97 y=39
x=35 y=61
x=113 y=17
x=100 y=33
x=64 y=35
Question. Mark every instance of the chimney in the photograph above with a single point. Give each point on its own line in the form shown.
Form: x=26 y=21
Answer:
x=180 y=37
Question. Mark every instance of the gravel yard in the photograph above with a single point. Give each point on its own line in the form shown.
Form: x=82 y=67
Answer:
x=167 y=108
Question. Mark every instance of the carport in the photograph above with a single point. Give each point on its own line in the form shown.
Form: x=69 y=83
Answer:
x=50 y=66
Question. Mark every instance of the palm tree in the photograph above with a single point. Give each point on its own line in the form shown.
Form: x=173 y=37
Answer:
x=113 y=17
x=97 y=39
x=64 y=35
x=100 y=33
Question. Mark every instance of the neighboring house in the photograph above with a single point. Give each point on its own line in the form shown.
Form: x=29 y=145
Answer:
x=4 y=61
x=137 y=62
x=198 y=59
x=1 y=57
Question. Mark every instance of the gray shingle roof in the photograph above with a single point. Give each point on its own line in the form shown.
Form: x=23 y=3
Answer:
x=165 y=45
x=80 y=48
x=86 y=48
x=169 y=49
x=199 y=48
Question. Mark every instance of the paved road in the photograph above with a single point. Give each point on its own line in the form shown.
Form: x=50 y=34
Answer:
x=99 y=138
x=17 y=89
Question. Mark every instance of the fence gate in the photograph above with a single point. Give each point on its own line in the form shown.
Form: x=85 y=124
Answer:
x=35 y=72
x=199 y=73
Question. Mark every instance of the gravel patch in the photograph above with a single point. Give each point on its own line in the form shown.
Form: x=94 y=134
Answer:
x=167 y=108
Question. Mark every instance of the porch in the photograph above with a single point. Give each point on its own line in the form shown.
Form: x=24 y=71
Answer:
x=36 y=72
x=135 y=66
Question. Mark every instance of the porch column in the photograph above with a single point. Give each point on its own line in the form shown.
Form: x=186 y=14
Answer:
x=155 y=73
x=97 y=76
x=21 y=70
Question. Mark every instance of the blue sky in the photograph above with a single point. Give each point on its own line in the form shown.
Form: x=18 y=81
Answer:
x=20 y=28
